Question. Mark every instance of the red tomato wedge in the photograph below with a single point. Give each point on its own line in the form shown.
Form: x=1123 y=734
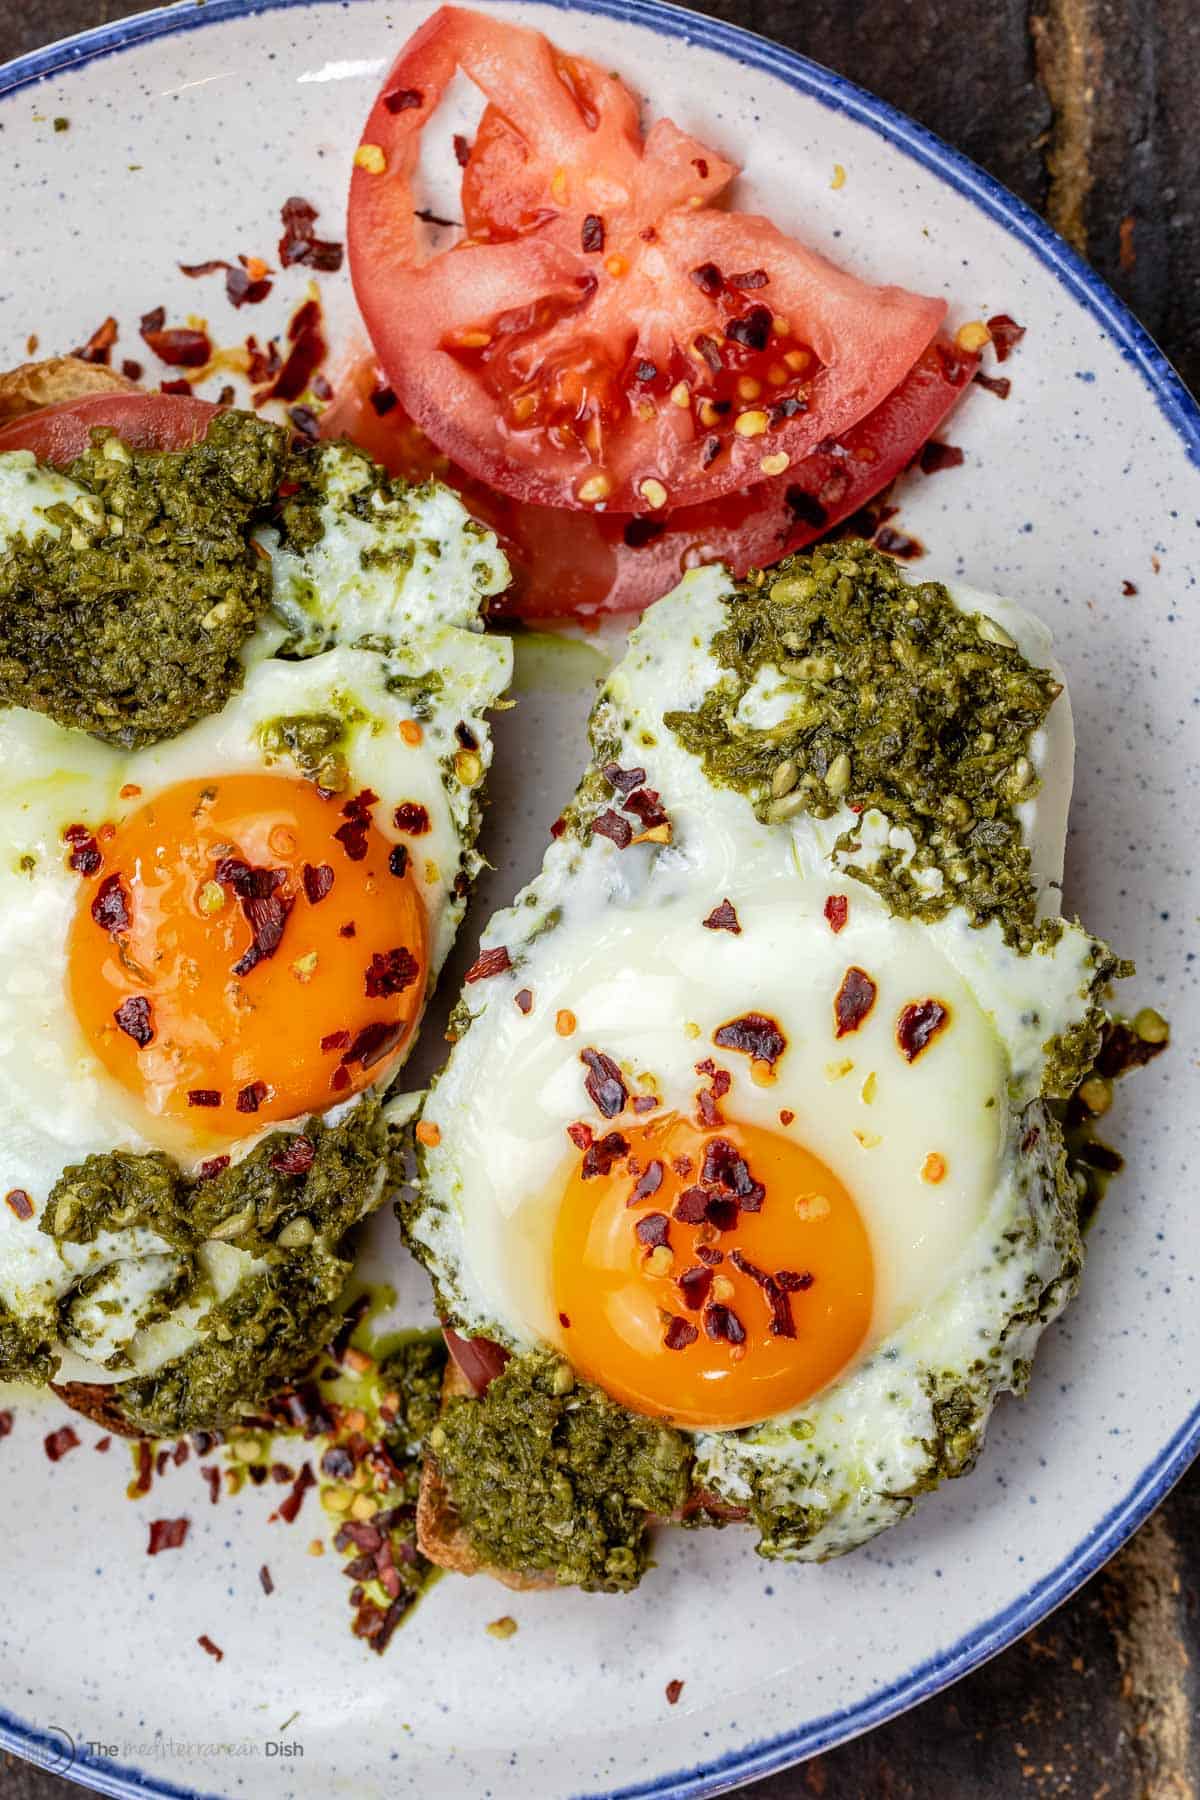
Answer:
x=603 y=335
x=565 y=563
x=58 y=434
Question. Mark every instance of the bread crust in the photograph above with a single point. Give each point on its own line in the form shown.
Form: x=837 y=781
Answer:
x=97 y=1401
x=51 y=382
x=440 y=1533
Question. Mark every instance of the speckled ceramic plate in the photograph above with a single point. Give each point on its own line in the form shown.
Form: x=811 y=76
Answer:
x=1080 y=496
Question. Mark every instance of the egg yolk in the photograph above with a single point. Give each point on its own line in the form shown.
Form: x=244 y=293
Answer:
x=249 y=949
x=710 y=1277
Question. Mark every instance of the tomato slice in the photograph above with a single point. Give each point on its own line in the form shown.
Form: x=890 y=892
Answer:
x=564 y=563
x=58 y=434
x=603 y=336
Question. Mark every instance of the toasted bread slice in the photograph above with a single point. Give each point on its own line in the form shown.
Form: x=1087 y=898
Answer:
x=50 y=382
x=440 y=1535
x=97 y=1402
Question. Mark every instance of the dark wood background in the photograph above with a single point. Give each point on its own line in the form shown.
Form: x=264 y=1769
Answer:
x=1088 y=110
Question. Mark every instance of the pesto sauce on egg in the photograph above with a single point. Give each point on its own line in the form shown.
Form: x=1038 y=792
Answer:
x=126 y=620
x=902 y=703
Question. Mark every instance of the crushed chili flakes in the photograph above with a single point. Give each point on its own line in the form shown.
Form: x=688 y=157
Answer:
x=167 y=1534
x=1000 y=385
x=935 y=457
x=591 y=236
x=251 y=1097
x=604 y=1083
x=523 y=1000
x=57 y=1443
x=110 y=906
x=398 y=860
x=600 y=1155
x=99 y=346
x=295 y=1158
x=180 y=346
x=318 y=882
x=299 y=244
x=19 y=1204
x=837 y=911
x=722 y=1324
x=265 y=909
x=648 y=1183
x=489 y=963
x=679 y=1334
x=265 y=1579
x=694 y=1285
x=611 y=825
x=723 y=918
x=207 y=1645
x=898 y=544
x=390 y=972
x=212 y=1167
x=204 y=1097
x=853 y=1001
x=581 y=1135
x=411 y=817
x=753 y=1035
x=289 y=1508
x=653 y=1229
x=673 y=1691
x=6 y=1424
x=918 y=1024
x=1005 y=333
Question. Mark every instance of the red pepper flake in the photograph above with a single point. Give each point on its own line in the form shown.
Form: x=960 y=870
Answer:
x=398 y=860
x=318 y=880
x=591 y=237
x=723 y=918
x=145 y=1468
x=581 y=1135
x=749 y=278
x=59 y=1442
x=775 y=1292
x=694 y=1285
x=98 y=346
x=708 y=279
x=182 y=386
x=726 y=1168
x=462 y=150
x=404 y=100
x=195 y=270
x=645 y=1103
x=898 y=543
x=1000 y=385
x=167 y=1534
x=605 y=1087
x=654 y=1229
x=265 y=909
x=135 y=1019
x=289 y=1508
x=837 y=911
x=213 y=1166
x=673 y=1691
x=102 y=1445
x=307 y=352
x=754 y=1035
x=19 y=1204
x=723 y=1325
x=372 y=1044
x=204 y=1097
x=390 y=972
x=1128 y=588
x=935 y=457
x=679 y=1334
x=110 y=907
x=296 y=1158
x=710 y=1255
x=710 y=350
x=648 y=1183
x=335 y=1040
x=854 y=1000
x=603 y=1153
x=412 y=818
x=918 y=1024
x=340 y=1078
x=181 y=346
x=207 y=1645
x=691 y=1208
x=523 y=1000
x=251 y=1097
x=646 y=806
x=85 y=857
x=131 y=370
x=752 y=330
x=213 y=1478
x=241 y=289
x=6 y=1424
x=623 y=781
x=352 y=836
x=298 y=243
x=786 y=1115
x=265 y=1581
x=489 y=963
x=611 y=825
x=1005 y=334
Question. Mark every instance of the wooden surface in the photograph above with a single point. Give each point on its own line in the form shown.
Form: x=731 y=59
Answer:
x=1088 y=110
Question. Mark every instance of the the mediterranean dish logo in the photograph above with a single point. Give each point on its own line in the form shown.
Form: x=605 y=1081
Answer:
x=61 y=1751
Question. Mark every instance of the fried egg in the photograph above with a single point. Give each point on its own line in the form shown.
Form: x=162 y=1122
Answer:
x=237 y=928
x=756 y=1154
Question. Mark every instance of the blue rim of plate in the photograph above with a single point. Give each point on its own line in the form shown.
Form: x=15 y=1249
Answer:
x=1181 y=413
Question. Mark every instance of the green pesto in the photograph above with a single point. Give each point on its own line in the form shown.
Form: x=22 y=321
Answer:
x=413 y=1369
x=249 y=1205
x=129 y=622
x=902 y=703
x=418 y=691
x=315 y=742
x=1071 y=1055
x=26 y=1353
x=264 y=1334
x=550 y=1476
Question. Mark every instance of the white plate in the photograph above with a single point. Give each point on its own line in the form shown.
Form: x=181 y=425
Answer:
x=187 y=130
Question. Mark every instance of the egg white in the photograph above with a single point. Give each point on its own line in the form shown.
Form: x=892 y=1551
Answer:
x=617 y=938
x=375 y=644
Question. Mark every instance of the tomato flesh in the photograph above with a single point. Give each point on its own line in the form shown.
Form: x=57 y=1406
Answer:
x=603 y=336
x=565 y=563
